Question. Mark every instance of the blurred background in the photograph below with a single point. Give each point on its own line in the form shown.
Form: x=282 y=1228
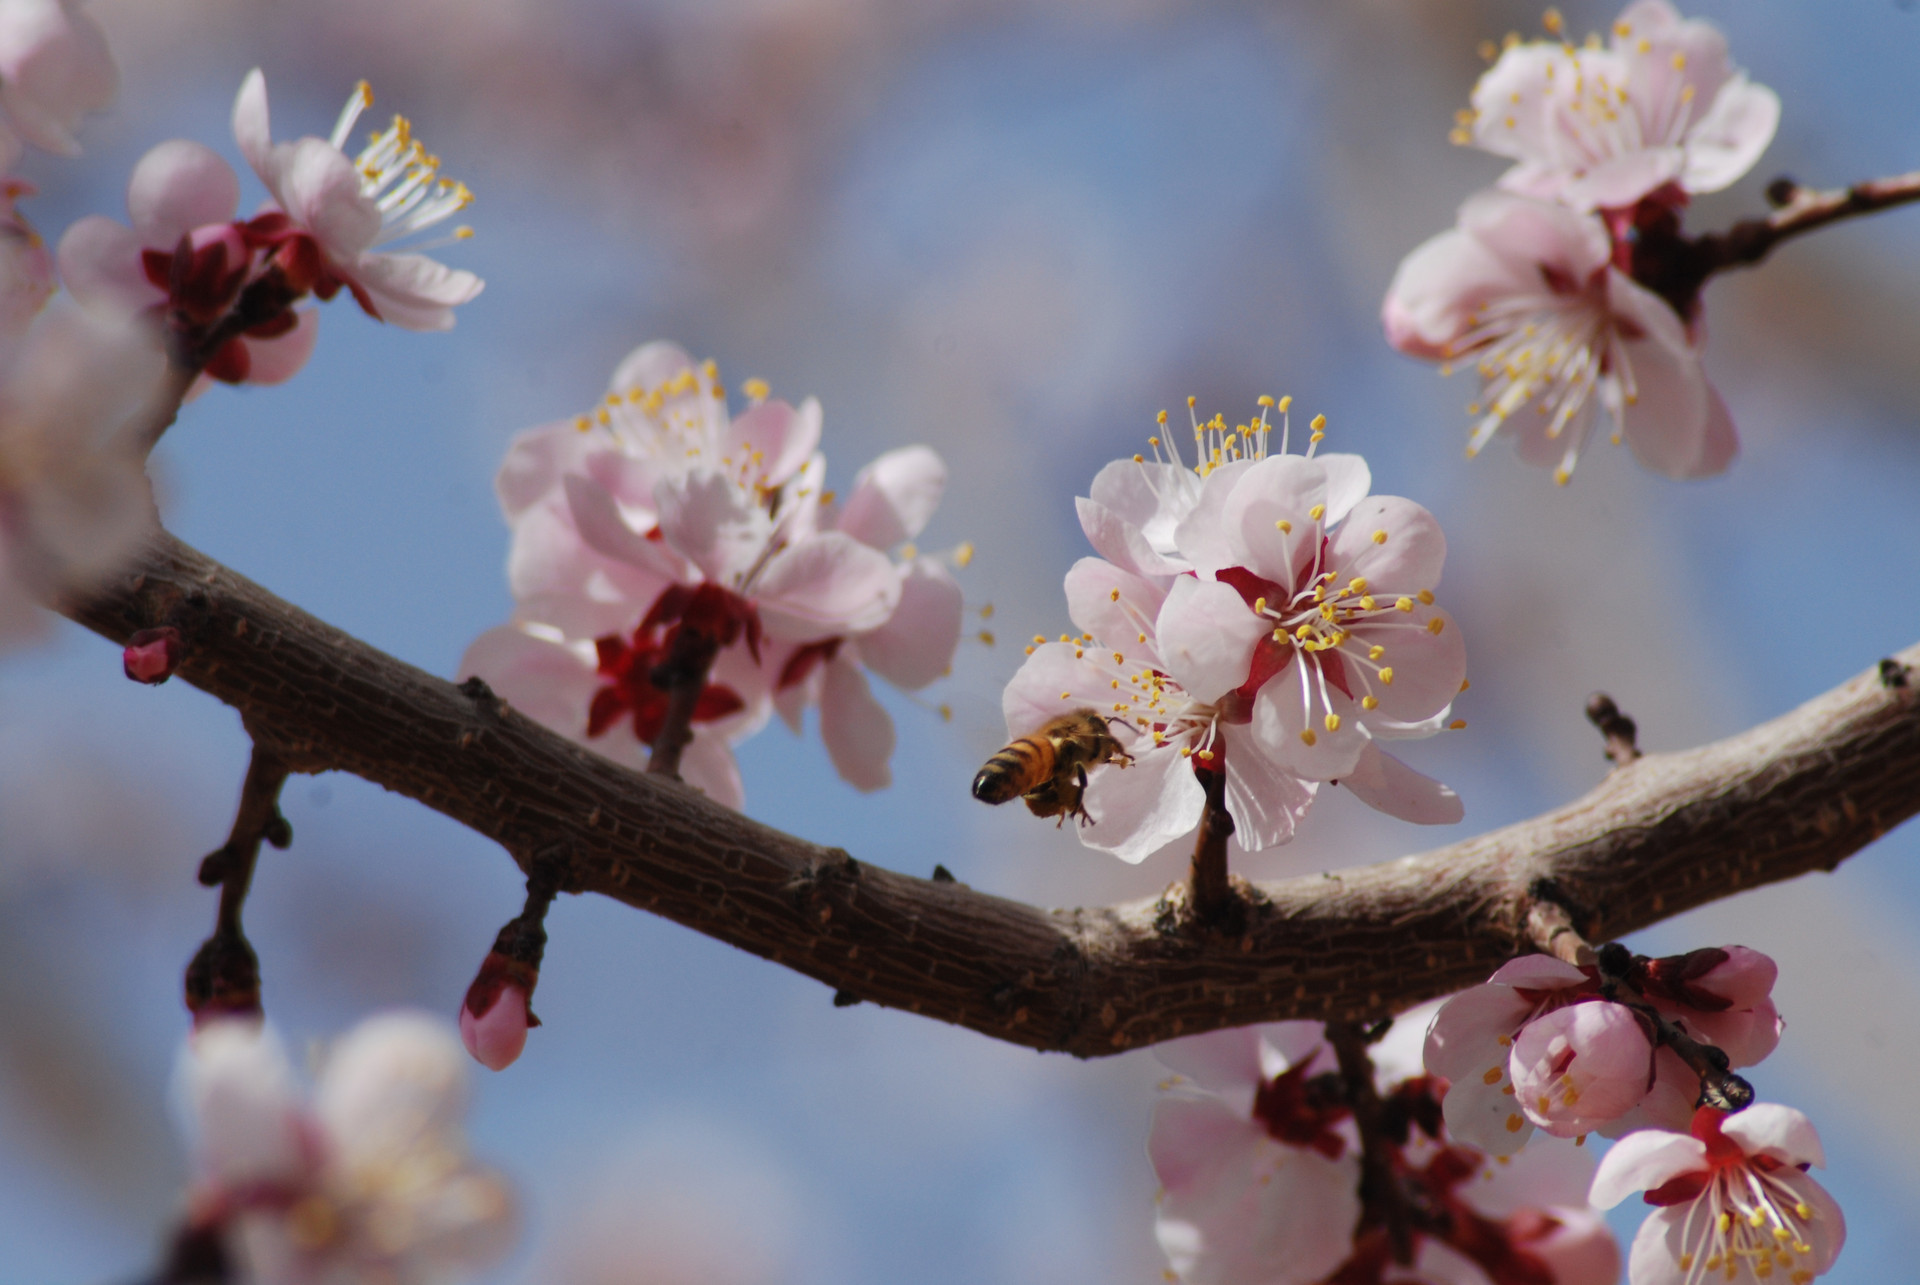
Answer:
x=1012 y=230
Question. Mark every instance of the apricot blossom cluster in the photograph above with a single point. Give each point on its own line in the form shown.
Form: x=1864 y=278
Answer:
x=1256 y=614
x=1546 y=285
x=660 y=541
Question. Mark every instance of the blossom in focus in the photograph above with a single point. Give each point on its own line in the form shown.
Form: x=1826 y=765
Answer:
x=1259 y=1177
x=1527 y=292
x=1271 y=623
x=1538 y=1046
x=74 y=499
x=26 y=268
x=659 y=512
x=54 y=69
x=1596 y=127
x=181 y=199
x=369 y=1179
x=1732 y=1198
x=335 y=212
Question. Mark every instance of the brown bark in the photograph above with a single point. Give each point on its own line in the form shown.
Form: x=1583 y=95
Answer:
x=1660 y=835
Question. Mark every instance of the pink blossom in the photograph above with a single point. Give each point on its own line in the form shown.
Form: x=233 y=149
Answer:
x=74 y=499
x=1285 y=624
x=1539 y=1046
x=1732 y=1199
x=1594 y=127
x=659 y=492
x=182 y=198
x=1526 y=291
x=26 y=268
x=54 y=69
x=1471 y=1043
x=1259 y=1185
x=337 y=211
x=370 y=1178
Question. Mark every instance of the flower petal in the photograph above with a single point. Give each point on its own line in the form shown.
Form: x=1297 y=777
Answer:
x=414 y=292
x=1727 y=142
x=251 y=126
x=280 y=358
x=893 y=497
x=829 y=584
x=395 y=1083
x=1265 y=799
x=1140 y=808
x=177 y=187
x=1384 y=783
x=916 y=644
x=1769 y=1129
x=1116 y=607
x=1206 y=635
x=1643 y=1161
x=1268 y=520
x=100 y=263
x=1052 y=682
x=1120 y=542
x=856 y=729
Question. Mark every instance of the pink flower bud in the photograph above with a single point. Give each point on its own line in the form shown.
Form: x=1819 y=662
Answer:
x=495 y=1017
x=1744 y=979
x=152 y=655
x=1578 y=1067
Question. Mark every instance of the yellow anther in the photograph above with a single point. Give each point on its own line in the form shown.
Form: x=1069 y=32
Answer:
x=1118 y=659
x=1464 y=684
x=1724 y=1222
x=1757 y=1218
x=1029 y=651
x=1264 y=400
x=1205 y=756
x=757 y=389
x=1379 y=537
x=1317 y=512
x=1435 y=625
x=961 y=557
x=1285 y=402
x=1186 y=751
x=1279 y=635
x=1375 y=652
x=583 y=423
x=1515 y=1124
x=1161 y=418
x=1679 y=62
x=1066 y=637
x=1458 y=725
x=908 y=552
x=946 y=713
x=1066 y=696
x=1386 y=675
x=602 y=416
x=1259 y=605
x=1190 y=401
x=1367 y=603
x=1426 y=596
x=1283 y=526
x=1403 y=604
x=1039 y=638
x=1139 y=459
x=1552 y=21
x=1369 y=702
x=1561 y=477
x=1077 y=653
x=1357 y=585
x=1154 y=441
x=463 y=233
x=1333 y=722
x=1307 y=737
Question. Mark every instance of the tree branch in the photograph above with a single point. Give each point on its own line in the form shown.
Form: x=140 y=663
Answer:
x=1660 y=835
x=1801 y=210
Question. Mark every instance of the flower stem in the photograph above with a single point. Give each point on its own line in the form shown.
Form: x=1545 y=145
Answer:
x=1210 y=892
x=1382 y=1196
x=683 y=676
x=224 y=975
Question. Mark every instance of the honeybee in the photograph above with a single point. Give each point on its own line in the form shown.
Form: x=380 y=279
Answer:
x=1049 y=768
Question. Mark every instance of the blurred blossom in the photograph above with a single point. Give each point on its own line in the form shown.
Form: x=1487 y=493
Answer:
x=26 y=268
x=368 y=1180
x=74 y=498
x=182 y=199
x=54 y=69
x=1594 y=127
x=660 y=526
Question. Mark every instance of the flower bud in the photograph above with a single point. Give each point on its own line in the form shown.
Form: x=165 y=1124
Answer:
x=152 y=655
x=495 y=1017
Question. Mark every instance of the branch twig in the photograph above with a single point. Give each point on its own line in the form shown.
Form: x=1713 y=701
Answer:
x=1662 y=835
x=1209 y=891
